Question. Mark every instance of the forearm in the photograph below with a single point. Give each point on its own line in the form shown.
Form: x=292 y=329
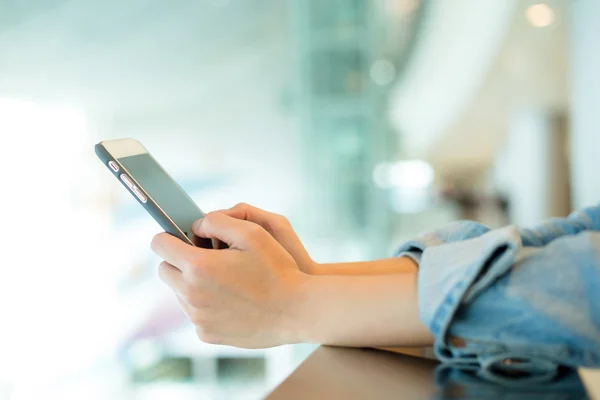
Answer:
x=369 y=311
x=379 y=267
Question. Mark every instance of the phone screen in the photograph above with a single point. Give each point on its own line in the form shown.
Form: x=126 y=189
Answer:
x=169 y=196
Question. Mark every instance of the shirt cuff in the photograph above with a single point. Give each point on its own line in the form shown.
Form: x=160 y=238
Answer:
x=452 y=232
x=455 y=273
x=414 y=255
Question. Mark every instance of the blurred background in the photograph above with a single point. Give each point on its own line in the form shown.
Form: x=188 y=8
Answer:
x=364 y=122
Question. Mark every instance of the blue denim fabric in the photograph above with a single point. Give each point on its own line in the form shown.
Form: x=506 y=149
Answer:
x=513 y=301
x=467 y=382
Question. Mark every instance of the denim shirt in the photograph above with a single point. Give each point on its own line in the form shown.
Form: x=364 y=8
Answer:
x=513 y=302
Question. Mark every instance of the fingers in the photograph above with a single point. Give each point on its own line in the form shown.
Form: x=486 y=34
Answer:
x=188 y=294
x=276 y=225
x=269 y=221
x=170 y=275
x=236 y=233
x=245 y=211
x=175 y=251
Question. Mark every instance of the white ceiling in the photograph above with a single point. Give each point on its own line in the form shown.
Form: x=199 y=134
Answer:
x=207 y=75
x=216 y=71
x=120 y=57
x=457 y=118
x=530 y=72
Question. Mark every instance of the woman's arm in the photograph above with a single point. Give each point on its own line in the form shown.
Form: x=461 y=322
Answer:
x=373 y=311
x=253 y=295
x=379 y=267
x=280 y=228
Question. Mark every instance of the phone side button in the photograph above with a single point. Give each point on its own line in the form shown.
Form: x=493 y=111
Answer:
x=127 y=181
x=113 y=165
x=139 y=195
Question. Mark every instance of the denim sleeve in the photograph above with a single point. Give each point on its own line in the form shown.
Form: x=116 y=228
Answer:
x=512 y=300
x=587 y=219
x=538 y=310
x=453 y=232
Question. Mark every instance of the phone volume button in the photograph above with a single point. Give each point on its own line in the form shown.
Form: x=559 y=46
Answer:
x=127 y=181
x=139 y=195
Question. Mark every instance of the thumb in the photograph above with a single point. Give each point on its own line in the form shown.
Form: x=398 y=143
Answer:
x=236 y=233
x=269 y=221
x=276 y=225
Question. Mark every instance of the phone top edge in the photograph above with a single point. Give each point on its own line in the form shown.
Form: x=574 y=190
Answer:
x=126 y=147
x=151 y=206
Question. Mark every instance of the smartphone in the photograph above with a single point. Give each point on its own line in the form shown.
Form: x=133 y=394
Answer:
x=153 y=188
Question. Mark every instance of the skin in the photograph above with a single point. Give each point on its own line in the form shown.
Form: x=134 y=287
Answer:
x=264 y=290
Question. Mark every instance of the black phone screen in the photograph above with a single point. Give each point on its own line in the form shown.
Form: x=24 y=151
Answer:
x=169 y=196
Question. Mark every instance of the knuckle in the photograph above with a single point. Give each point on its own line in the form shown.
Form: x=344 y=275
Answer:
x=198 y=300
x=208 y=219
x=192 y=262
x=200 y=332
x=253 y=229
x=188 y=292
x=206 y=336
x=199 y=268
x=162 y=271
x=213 y=339
x=243 y=206
x=198 y=319
x=254 y=232
x=211 y=219
x=282 y=221
x=187 y=265
x=194 y=300
x=155 y=243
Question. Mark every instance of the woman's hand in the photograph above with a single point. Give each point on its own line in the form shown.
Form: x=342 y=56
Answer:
x=253 y=295
x=243 y=296
x=280 y=229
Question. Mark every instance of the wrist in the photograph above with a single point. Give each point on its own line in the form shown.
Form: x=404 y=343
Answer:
x=366 y=311
x=300 y=324
x=315 y=307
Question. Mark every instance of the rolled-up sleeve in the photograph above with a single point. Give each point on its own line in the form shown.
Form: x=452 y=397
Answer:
x=453 y=232
x=493 y=302
x=453 y=273
x=587 y=219
x=540 y=304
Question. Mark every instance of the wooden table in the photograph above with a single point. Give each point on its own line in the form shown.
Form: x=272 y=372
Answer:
x=348 y=374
